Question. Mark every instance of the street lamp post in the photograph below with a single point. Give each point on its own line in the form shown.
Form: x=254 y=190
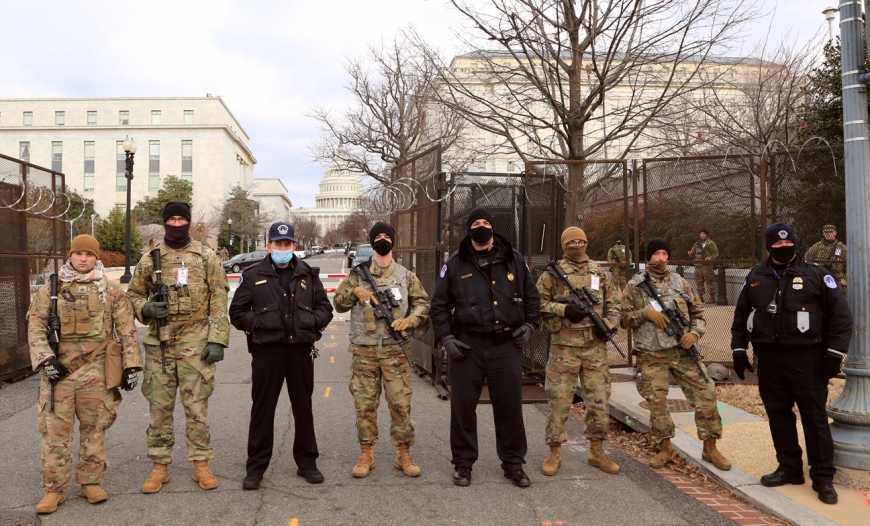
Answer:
x=92 y=224
x=129 y=152
x=230 y=227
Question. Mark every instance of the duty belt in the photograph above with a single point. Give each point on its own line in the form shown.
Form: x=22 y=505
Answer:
x=499 y=336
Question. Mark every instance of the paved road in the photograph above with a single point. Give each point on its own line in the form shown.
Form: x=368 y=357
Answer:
x=578 y=495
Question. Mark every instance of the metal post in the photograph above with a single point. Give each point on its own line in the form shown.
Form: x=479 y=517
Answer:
x=129 y=175
x=722 y=293
x=851 y=426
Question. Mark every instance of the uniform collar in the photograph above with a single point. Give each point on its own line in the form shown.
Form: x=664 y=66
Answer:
x=375 y=269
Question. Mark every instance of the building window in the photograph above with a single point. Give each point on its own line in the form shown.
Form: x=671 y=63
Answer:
x=155 y=116
x=57 y=156
x=187 y=160
x=120 y=167
x=512 y=167
x=24 y=151
x=59 y=118
x=28 y=118
x=153 y=165
x=89 y=166
x=124 y=117
x=188 y=116
x=92 y=118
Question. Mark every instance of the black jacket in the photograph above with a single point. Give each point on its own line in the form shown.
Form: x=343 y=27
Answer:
x=506 y=297
x=805 y=291
x=273 y=315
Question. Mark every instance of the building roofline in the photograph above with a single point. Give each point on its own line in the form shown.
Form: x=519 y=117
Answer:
x=711 y=59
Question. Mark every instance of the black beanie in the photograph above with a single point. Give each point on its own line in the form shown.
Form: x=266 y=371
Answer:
x=656 y=244
x=778 y=231
x=381 y=227
x=479 y=213
x=176 y=208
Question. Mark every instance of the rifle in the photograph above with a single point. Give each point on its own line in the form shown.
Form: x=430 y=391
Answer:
x=161 y=294
x=384 y=309
x=677 y=325
x=585 y=300
x=53 y=328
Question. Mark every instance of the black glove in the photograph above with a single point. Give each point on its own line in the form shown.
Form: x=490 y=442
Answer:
x=454 y=347
x=741 y=362
x=54 y=369
x=832 y=362
x=129 y=380
x=155 y=309
x=522 y=335
x=574 y=314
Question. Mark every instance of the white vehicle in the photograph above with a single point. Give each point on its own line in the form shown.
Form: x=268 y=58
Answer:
x=300 y=254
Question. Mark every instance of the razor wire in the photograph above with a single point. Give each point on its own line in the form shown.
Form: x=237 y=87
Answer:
x=37 y=194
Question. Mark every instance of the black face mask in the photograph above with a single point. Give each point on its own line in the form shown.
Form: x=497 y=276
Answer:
x=176 y=236
x=782 y=254
x=382 y=246
x=481 y=235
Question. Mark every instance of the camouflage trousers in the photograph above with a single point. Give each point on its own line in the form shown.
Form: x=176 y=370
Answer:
x=619 y=277
x=193 y=379
x=704 y=278
x=370 y=371
x=565 y=364
x=82 y=394
x=654 y=367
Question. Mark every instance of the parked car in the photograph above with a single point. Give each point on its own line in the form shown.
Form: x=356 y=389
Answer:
x=244 y=260
x=315 y=250
x=363 y=253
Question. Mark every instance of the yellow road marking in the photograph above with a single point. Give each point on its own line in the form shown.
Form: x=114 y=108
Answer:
x=331 y=336
x=326 y=394
x=293 y=522
x=332 y=359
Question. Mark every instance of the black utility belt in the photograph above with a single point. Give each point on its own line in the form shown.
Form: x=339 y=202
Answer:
x=497 y=335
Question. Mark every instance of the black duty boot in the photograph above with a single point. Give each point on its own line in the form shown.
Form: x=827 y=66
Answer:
x=462 y=476
x=252 y=481
x=311 y=475
x=518 y=478
x=826 y=491
x=781 y=478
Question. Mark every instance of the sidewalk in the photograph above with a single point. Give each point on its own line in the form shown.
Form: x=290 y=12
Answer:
x=746 y=442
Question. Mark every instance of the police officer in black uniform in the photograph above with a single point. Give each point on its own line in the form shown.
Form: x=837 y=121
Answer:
x=496 y=308
x=800 y=326
x=282 y=307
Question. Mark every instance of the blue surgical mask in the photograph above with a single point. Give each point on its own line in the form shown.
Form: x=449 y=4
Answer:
x=282 y=257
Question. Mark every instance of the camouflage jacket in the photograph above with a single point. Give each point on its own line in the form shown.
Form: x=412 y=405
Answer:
x=197 y=311
x=619 y=254
x=704 y=249
x=565 y=332
x=365 y=328
x=646 y=336
x=99 y=310
x=831 y=255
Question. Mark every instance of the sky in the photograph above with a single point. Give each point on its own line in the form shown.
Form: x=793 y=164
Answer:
x=270 y=60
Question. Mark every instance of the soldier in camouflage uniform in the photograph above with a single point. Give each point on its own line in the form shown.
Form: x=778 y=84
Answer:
x=659 y=353
x=621 y=256
x=377 y=358
x=831 y=254
x=705 y=249
x=198 y=327
x=93 y=312
x=575 y=349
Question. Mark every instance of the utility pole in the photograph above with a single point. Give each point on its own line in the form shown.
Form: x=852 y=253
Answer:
x=851 y=426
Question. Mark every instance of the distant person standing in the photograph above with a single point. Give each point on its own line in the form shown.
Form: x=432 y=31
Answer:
x=704 y=251
x=830 y=253
x=621 y=257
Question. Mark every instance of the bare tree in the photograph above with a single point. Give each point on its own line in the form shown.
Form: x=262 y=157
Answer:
x=568 y=79
x=307 y=230
x=390 y=118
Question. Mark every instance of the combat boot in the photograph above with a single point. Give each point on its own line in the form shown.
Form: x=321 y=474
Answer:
x=553 y=461
x=712 y=455
x=666 y=454
x=50 y=502
x=158 y=477
x=94 y=493
x=405 y=462
x=598 y=459
x=203 y=475
x=365 y=463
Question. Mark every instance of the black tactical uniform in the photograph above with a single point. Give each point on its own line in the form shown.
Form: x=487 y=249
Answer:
x=795 y=318
x=283 y=311
x=488 y=302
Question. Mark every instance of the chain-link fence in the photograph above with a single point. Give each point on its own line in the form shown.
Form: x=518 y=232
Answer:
x=32 y=208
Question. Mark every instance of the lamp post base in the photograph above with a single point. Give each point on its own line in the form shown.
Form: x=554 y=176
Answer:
x=126 y=278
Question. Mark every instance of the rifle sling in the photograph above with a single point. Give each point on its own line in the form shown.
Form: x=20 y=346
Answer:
x=194 y=317
x=77 y=363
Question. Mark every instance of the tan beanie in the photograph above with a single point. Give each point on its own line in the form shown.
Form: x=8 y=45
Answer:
x=86 y=243
x=572 y=233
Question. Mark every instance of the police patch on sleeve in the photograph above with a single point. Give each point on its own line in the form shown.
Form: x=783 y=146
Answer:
x=241 y=279
x=830 y=282
x=443 y=270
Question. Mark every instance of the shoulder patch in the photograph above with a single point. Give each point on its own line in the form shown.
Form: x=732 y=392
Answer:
x=444 y=270
x=241 y=279
x=830 y=282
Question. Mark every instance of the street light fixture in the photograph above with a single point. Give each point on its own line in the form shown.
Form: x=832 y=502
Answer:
x=129 y=152
x=830 y=14
x=230 y=227
x=92 y=224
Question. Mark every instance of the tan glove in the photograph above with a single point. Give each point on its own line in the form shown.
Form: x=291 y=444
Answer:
x=659 y=320
x=402 y=324
x=364 y=295
x=688 y=340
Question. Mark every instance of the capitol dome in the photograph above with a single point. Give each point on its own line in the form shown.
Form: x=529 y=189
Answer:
x=340 y=195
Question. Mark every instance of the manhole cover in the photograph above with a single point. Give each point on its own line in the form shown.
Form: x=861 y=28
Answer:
x=619 y=377
x=19 y=518
x=675 y=405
